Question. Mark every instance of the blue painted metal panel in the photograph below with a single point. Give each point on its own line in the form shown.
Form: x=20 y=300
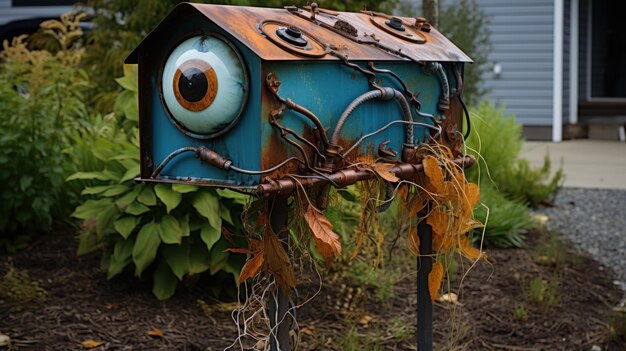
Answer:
x=326 y=89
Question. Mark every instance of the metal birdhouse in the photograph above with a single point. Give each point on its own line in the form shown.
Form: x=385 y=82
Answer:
x=242 y=97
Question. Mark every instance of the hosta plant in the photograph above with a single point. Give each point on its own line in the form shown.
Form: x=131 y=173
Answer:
x=170 y=230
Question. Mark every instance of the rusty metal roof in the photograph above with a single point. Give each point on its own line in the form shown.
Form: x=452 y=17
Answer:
x=360 y=36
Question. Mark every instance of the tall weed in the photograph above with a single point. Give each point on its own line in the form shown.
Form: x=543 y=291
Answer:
x=41 y=106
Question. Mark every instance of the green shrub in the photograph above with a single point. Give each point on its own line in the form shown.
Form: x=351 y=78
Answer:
x=41 y=106
x=532 y=185
x=496 y=141
x=506 y=220
x=174 y=230
x=507 y=182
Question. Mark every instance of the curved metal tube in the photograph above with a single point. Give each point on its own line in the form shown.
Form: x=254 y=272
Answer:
x=384 y=94
x=444 y=101
x=214 y=159
x=437 y=128
x=171 y=157
x=272 y=84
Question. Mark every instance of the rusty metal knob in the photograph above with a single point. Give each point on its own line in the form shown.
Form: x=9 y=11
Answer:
x=292 y=35
x=395 y=23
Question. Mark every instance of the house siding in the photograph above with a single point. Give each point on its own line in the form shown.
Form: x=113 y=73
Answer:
x=566 y=56
x=583 y=49
x=522 y=39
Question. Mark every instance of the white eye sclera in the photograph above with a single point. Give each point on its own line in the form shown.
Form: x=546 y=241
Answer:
x=204 y=86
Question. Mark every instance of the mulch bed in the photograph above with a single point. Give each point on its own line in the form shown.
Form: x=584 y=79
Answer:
x=82 y=305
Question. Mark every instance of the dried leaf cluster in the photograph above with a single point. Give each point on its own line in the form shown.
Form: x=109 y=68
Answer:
x=439 y=196
x=445 y=200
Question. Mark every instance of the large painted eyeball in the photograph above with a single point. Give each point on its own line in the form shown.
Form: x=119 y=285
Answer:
x=204 y=86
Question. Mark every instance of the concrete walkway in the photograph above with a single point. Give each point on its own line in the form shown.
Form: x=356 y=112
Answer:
x=586 y=163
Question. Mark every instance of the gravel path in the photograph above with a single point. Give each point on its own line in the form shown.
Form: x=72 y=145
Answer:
x=595 y=221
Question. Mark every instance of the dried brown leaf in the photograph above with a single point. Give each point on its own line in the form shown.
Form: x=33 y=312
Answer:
x=382 y=169
x=468 y=250
x=252 y=267
x=365 y=319
x=439 y=221
x=239 y=250
x=326 y=241
x=155 y=332
x=414 y=241
x=435 y=277
x=434 y=174
x=417 y=202
x=277 y=261
x=91 y=344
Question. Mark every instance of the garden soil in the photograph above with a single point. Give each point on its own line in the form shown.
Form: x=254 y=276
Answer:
x=496 y=309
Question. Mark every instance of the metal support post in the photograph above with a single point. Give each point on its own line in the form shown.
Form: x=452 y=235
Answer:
x=279 y=299
x=424 y=304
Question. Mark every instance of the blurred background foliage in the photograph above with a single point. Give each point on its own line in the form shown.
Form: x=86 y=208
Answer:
x=69 y=107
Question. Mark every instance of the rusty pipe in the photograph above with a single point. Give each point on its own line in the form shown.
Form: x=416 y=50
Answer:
x=385 y=94
x=444 y=100
x=272 y=84
x=287 y=186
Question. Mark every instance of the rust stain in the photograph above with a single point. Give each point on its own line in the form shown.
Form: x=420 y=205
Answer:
x=451 y=127
x=242 y=22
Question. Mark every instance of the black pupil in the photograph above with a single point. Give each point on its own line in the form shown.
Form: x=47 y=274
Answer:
x=193 y=85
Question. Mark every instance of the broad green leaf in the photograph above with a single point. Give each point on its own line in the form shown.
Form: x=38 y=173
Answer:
x=165 y=282
x=225 y=214
x=238 y=198
x=184 y=225
x=93 y=190
x=128 y=198
x=112 y=175
x=128 y=83
x=177 y=257
x=131 y=173
x=92 y=175
x=25 y=182
x=146 y=246
x=103 y=153
x=131 y=111
x=147 y=197
x=170 y=198
x=170 y=231
x=87 y=243
x=184 y=188
x=105 y=220
x=209 y=235
x=121 y=257
x=208 y=206
x=125 y=225
x=136 y=209
x=198 y=259
x=116 y=190
x=218 y=255
x=91 y=208
x=234 y=264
